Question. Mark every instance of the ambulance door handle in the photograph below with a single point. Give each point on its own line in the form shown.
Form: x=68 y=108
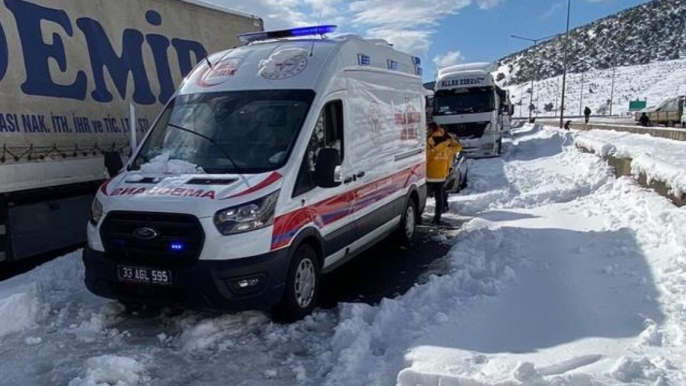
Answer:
x=360 y=174
x=349 y=180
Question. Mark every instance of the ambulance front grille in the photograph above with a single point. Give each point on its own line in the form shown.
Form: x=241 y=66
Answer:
x=178 y=238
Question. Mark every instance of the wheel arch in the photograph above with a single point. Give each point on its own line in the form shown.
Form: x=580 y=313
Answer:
x=312 y=237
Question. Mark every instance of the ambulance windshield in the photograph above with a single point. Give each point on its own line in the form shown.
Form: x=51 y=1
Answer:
x=229 y=132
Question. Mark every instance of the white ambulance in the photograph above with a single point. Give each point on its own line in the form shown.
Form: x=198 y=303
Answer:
x=274 y=163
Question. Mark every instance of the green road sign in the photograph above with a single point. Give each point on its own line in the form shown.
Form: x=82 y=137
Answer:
x=637 y=105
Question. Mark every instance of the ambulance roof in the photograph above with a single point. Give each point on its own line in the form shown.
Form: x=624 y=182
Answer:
x=294 y=64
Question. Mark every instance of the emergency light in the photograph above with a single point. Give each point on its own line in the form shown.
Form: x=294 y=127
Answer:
x=287 y=33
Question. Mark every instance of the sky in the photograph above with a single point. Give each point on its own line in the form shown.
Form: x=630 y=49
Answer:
x=441 y=32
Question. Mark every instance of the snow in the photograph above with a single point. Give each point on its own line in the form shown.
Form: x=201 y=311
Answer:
x=653 y=82
x=561 y=275
x=658 y=158
x=162 y=164
x=18 y=312
x=111 y=370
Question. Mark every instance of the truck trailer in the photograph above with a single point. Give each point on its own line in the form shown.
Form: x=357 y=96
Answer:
x=69 y=71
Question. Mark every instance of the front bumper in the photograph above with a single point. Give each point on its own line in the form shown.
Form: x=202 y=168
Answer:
x=202 y=285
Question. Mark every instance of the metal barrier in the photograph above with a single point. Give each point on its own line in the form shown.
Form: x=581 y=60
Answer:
x=659 y=132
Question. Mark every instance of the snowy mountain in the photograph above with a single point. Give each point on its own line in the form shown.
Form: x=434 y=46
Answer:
x=647 y=33
x=651 y=82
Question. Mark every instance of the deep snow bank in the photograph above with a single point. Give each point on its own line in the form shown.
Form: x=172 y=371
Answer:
x=658 y=158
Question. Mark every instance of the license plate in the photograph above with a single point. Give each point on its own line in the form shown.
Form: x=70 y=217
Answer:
x=144 y=275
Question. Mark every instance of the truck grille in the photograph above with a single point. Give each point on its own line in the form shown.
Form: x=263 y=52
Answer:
x=467 y=130
x=177 y=240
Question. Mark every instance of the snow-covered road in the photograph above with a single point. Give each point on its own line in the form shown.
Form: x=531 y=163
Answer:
x=561 y=275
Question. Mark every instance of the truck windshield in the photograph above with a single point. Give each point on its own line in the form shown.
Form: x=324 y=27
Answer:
x=463 y=101
x=229 y=132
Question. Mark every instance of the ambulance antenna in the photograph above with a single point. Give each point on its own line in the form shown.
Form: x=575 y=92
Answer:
x=207 y=59
x=319 y=19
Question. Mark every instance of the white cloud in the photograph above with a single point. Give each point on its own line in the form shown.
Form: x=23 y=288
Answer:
x=550 y=12
x=408 y=24
x=449 y=59
x=488 y=4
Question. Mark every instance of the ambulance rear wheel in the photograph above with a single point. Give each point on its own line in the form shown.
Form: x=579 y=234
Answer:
x=302 y=286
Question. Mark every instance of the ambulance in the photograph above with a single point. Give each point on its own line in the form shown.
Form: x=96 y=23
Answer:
x=273 y=164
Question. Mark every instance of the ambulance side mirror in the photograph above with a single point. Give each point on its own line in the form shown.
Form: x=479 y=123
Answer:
x=113 y=163
x=327 y=169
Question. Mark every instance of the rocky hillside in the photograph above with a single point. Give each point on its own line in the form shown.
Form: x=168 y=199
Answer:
x=643 y=34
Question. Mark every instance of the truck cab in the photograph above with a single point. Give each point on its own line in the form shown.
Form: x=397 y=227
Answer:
x=468 y=104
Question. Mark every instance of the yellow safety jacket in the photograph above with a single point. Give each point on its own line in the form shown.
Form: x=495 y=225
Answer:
x=440 y=152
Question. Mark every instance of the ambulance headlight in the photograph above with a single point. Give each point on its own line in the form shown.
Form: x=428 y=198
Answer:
x=96 y=211
x=247 y=217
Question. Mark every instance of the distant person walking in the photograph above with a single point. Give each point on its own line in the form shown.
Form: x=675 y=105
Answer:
x=587 y=113
x=644 y=120
x=440 y=152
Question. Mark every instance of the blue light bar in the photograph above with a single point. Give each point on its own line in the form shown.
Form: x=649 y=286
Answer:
x=417 y=60
x=392 y=64
x=177 y=246
x=364 y=60
x=287 y=33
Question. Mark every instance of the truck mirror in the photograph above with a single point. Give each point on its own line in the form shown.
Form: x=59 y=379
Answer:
x=113 y=163
x=325 y=170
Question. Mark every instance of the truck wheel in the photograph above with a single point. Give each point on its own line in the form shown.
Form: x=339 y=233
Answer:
x=302 y=286
x=463 y=184
x=408 y=223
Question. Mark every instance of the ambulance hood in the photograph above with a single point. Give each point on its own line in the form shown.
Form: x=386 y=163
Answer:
x=199 y=194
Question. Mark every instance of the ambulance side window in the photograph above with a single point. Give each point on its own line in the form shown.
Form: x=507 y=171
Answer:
x=328 y=134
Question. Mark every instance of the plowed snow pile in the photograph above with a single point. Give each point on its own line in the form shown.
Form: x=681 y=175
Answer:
x=562 y=275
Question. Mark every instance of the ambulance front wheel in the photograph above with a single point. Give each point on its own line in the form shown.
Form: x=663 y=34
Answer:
x=302 y=286
x=408 y=223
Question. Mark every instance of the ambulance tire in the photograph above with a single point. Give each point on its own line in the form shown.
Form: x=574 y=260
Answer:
x=408 y=223
x=303 y=285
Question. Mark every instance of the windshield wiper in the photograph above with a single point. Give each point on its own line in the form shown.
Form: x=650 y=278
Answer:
x=215 y=143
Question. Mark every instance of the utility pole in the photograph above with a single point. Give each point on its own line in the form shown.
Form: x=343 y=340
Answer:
x=564 y=73
x=538 y=68
x=581 y=97
x=612 y=89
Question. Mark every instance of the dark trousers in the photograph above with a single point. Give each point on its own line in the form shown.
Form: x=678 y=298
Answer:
x=587 y=117
x=438 y=189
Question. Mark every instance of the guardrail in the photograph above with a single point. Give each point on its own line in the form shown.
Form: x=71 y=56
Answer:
x=660 y=132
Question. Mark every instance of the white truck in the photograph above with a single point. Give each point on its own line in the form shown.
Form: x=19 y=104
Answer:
x=68 y=72
x=469 y=104
x=670 y=112
x=273 y=163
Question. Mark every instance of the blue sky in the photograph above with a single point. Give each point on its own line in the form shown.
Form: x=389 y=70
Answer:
x=442 y=32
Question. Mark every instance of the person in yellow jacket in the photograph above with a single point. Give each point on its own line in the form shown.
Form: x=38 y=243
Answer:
x=441 y=148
